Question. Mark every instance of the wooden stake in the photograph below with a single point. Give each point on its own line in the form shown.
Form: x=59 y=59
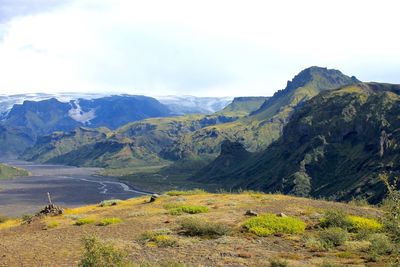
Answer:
x=48 y=196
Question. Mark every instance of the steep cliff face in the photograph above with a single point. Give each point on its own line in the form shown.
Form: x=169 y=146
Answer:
x=334 y=146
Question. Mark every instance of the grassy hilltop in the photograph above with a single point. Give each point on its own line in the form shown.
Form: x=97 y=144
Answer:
x=194 y=228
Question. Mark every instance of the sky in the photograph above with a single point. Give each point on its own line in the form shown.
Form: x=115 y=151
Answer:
x=187 y=47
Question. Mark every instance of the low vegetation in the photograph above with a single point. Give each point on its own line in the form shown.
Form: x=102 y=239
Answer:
x=109 y=221
x=159 y=238
x=100 y=254
x=186 y=193
x=110 y=202
x=204 y=228
x=269 y=224
x=333 y=237
x=189 y=209
x=83 y=221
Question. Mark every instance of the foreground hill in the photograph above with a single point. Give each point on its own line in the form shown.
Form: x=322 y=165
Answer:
x=218 y=233
x=334 y=146
x=7 y=172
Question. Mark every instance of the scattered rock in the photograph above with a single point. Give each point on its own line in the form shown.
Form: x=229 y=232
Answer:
x=244 y=255
x=251 y=213
x=154 y=197
x=167 y=221
x=281 y=215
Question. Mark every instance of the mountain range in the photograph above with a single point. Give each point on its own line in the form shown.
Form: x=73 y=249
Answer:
x=325 y=134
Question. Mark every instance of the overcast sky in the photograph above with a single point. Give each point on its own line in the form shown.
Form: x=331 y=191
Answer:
x=202 y=48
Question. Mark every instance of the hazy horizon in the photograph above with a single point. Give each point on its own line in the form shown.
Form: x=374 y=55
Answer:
x=207 y=48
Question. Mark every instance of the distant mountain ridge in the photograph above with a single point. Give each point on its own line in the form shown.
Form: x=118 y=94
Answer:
x=179 y=105
x=146 y=142
x=33 y=119
x=195 y=137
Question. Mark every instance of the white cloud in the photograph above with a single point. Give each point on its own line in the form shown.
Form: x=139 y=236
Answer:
x=196 y=47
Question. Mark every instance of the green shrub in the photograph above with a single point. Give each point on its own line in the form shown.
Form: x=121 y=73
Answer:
x=333 y=237
x=336 y=218
x=268 y=224
x=278 y=263
x=110 y=202
x=83 y=221
x=186 y=193
x=108 y=221
x=199 y=227
x=3 y=219
x=380 y=245
x=100 y=254
x=190 y=209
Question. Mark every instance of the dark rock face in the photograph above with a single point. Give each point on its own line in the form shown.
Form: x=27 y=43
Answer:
x=231 y=148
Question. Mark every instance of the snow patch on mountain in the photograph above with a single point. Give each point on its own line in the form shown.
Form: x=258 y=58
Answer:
x=77 y=114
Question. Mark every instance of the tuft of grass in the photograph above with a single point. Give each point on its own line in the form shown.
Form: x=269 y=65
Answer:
x=200 y=227
x=190 y=209
x=186 y=193
x=359 y=202
x=26 y=217
x=326 y=263
x=140 y=213
x=278 y=263
x=333 y=237
x=100 y=254
x=109 y=221
x=314 y=244
x=51 y=225
x=269 y=224
x=83 y=221
x=110 y=202
x=160 y=237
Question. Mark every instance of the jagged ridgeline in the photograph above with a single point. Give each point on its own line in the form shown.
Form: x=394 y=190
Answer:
x=334 y=146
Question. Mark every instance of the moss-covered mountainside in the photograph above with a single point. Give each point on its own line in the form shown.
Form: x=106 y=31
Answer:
x=7 y=172
x=264 y=125
x=334 y=146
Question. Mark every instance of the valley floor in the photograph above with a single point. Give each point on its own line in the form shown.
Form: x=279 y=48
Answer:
x=56 y=241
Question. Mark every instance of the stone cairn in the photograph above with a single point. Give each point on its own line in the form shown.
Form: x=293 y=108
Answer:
x=50 y=209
